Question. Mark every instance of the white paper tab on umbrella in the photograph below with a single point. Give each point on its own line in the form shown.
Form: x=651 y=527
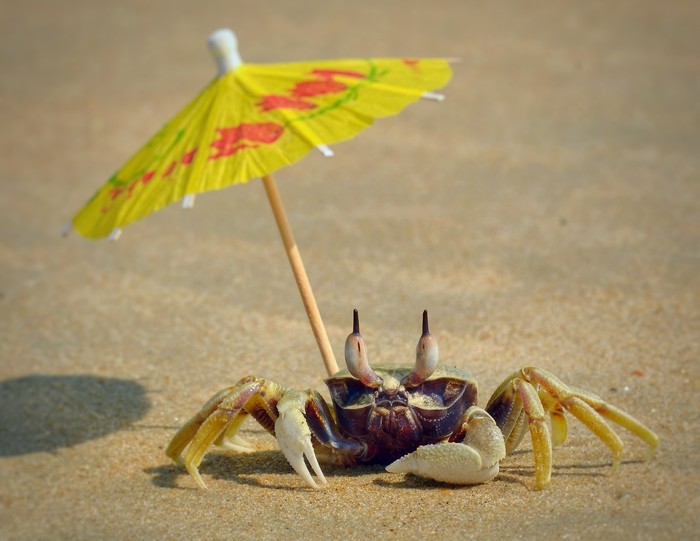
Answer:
x=188 y=201
x=115 y=234
x=325 y=150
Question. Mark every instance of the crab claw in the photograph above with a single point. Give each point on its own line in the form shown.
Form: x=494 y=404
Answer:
x=294 y=436
x=473 y=461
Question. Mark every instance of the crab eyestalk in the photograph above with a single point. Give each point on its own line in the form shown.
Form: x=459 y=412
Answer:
x=356 y=356
x=426 y=357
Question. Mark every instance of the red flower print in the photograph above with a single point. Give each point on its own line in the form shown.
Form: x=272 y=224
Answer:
x=271 y=102
x=245 y=136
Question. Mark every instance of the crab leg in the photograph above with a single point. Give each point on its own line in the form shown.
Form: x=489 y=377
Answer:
x=590 y=410
x=559 y=425
x=515 y=402
x=619 y=417
x=189 y=429
x=471 y=461
x=215 y=425
x=561 y=393
x=554 y=396
x=229 y=438
x=335 y=448
x=539 y=433
x=506 y=408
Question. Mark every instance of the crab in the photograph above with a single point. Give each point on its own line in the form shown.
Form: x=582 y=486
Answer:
x=421 y=419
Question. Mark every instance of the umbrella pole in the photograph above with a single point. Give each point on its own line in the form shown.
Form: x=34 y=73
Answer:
x=307 y=296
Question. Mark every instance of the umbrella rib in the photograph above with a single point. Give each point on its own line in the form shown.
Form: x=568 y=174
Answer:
x=412 y=89
x=389 y=88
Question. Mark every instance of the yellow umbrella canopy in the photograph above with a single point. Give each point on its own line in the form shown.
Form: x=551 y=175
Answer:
x=251 y=120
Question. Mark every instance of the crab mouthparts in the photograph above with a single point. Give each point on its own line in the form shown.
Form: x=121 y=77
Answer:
x=389 y=402
x=394 y=421
x=394 y=428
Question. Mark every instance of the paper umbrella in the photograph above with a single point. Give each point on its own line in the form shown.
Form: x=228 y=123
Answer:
x=249 y=121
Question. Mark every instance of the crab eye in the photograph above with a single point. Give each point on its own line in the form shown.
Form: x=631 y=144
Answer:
x=440 y=403
x=356 y=356
x=349 y=393
x=426 y=357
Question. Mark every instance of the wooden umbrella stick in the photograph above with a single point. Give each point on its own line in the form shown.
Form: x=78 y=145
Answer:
x=307 y=296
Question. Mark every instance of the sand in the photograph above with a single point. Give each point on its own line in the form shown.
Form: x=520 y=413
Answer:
x=547 y=213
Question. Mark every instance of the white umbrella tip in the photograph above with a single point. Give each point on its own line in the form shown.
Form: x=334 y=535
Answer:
x=325 y=150
x=188 y=201
x=224 y=36
x=434 y=96
x=115 y=234
x=224 y=48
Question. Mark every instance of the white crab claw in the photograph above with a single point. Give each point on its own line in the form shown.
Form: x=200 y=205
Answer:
x=471 y=462
x=294 y=436
x=447 y=462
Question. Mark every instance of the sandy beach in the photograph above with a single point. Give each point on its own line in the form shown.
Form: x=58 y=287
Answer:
x=546 y=213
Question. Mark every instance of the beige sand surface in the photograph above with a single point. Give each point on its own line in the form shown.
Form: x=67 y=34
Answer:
x=547 y=213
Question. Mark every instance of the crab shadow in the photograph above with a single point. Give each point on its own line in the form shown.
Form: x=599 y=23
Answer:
x=236 y=467
x=43 y=413
x=410 y=481
x=524 y=474
x=247 y=469
x=517 y=474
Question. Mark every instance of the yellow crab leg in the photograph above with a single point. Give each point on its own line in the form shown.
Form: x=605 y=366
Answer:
x=559 y=426
x=215 y=424
x=588 y=416
x=189 y=429
x=539 y=433
x=620 y=417
x=229 y=438
x=579 y=409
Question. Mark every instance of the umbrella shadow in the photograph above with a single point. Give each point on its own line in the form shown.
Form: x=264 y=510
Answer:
x=43 y=413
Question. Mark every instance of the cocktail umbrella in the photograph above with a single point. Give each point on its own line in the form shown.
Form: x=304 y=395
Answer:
x=249 y=121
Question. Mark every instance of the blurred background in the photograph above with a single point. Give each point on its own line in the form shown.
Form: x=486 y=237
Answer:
x=545 y=213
